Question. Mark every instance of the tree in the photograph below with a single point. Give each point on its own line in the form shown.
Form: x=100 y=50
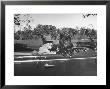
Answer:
x=21 y=21
x=87 y=15
x=17 y=19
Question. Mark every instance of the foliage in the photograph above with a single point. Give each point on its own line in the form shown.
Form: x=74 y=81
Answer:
x=64 y=33
x=87 y=15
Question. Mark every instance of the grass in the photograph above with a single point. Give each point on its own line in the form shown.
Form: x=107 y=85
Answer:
x=30 y=43
x=27 y=46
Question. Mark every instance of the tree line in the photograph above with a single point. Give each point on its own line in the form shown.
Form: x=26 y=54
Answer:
x=56 y=33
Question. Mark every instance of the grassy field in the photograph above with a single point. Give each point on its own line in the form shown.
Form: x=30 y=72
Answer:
x=30 y=43
x=25 y=47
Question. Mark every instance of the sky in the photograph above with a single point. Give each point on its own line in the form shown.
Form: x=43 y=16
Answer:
x=62 y=20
